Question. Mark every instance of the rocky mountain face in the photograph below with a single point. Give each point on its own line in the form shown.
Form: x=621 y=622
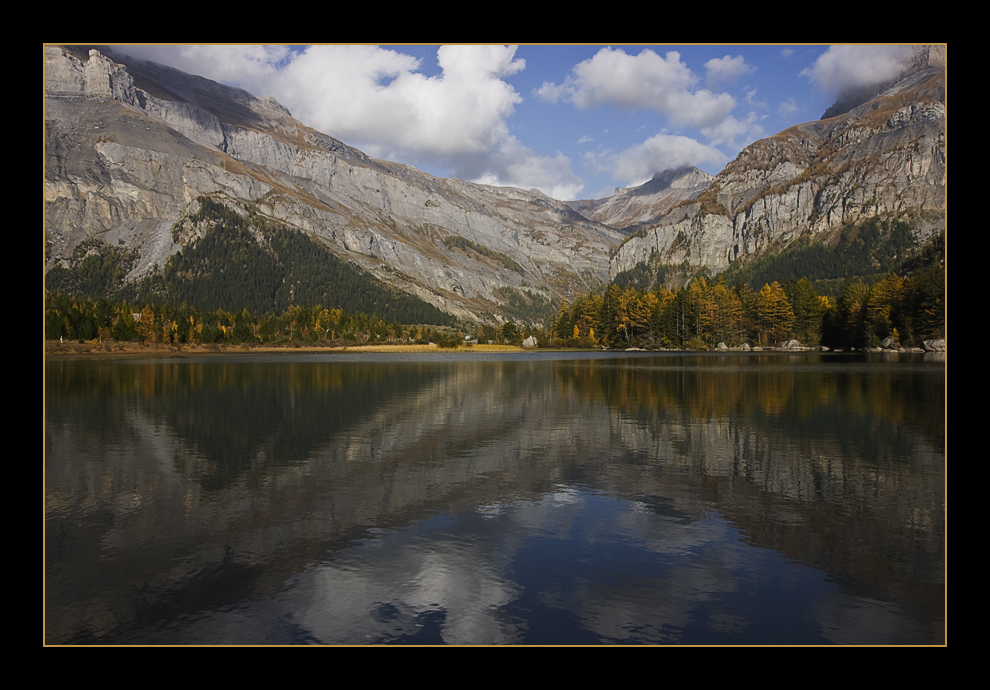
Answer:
x=884 y=158
x=130 y=145
x=629 y=209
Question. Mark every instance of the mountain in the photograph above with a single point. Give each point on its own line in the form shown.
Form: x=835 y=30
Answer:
x=130 y=147
x=628 y=209
x=881 y=161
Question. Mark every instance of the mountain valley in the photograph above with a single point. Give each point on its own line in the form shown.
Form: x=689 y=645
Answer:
x=132 y=148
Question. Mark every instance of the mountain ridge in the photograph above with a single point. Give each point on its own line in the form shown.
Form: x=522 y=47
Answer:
x=131 y=145
x=884 y=158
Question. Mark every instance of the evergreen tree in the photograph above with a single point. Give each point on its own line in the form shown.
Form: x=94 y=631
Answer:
x=851 y=314
x=808 y=311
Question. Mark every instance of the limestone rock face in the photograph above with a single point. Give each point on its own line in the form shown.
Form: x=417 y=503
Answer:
x=131 y=144
x=884 y=158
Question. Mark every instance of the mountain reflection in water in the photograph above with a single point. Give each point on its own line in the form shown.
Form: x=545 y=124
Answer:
x=527 y=499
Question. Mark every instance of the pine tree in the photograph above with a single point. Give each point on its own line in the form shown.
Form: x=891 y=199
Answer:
x=851 y=314
x=808 y=312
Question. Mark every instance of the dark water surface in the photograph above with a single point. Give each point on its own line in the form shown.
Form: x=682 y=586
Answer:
x=496 y=499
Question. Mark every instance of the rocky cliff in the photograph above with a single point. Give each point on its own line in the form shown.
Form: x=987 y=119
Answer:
x=131 y=144
x=884 y=158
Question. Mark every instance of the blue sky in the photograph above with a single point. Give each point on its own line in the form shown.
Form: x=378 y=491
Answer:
x=574 y=121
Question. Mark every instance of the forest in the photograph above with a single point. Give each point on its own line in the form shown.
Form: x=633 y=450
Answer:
x=889 y=290
x=706 y=313
x=102 y=320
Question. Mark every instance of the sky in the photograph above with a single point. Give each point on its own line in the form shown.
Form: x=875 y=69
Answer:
x=574 y=121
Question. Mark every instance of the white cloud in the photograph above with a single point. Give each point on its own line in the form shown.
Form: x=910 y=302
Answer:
x=726 y=69
x=841 y=68
x=515 y=165
x=246 y=65
x=377 y=100
x=663 y=84
x=788 y=108
x=639 y=163
x=751 y=101
x=735 y=133
x=369 y=95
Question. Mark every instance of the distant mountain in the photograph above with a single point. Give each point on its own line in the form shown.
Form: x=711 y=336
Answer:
x=628 y=209
x=130 y=145
x=882 y=161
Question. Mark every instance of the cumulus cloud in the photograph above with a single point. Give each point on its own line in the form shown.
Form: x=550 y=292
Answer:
x=512 y=164
x=379 y=100
x=366 y=94
x=663 y=84
x=845 y=68
x=246 y=65
x=639 y=163
x=726 y=69
x=369 y=94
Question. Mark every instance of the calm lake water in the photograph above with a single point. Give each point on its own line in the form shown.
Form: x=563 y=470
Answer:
x=496 y=499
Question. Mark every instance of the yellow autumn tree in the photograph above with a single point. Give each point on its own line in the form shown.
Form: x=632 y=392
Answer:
x=880 y=304
x=774 y=314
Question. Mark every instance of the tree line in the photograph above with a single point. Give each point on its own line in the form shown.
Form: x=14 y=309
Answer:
x=707 y=312
x=91 y=319
x=698 y=316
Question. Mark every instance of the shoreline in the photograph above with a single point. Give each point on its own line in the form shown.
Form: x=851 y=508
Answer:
x=124 y=349
x=97 y=350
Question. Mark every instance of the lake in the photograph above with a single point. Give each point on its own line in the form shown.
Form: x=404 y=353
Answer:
x=531 y=498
